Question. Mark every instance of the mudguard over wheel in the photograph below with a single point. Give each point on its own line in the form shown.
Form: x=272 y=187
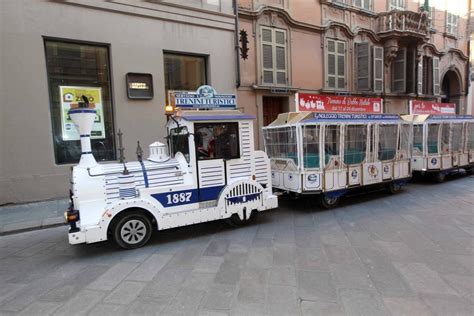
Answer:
x=132 y=230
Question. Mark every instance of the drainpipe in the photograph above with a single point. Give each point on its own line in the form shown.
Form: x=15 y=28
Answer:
x=236 y=43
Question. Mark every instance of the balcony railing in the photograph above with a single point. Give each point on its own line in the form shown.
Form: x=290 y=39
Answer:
x=403 y=21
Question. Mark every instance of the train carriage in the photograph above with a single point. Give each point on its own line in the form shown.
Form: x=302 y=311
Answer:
x=329 y=154
x=442 y=144
x=211 y=172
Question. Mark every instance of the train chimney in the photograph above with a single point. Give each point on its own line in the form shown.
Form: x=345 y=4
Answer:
x=83 y=117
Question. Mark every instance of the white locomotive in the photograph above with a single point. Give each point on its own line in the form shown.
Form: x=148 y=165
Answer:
x=211 y=172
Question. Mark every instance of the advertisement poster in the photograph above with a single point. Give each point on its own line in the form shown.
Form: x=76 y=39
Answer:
x=424 y=107
x=338 y=104
x=73 y=95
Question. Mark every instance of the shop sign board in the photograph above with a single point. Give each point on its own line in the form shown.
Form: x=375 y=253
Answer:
x=338 y=104
x=70 y=95
x=435 y=108
x=205 y=97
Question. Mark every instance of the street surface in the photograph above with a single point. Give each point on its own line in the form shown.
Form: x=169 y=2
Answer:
x=377 y=254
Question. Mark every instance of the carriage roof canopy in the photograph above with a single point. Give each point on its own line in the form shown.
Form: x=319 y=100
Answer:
x=418 y=119
x=293 y=118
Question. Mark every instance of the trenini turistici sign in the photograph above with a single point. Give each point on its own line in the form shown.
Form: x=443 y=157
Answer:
x=205 y=97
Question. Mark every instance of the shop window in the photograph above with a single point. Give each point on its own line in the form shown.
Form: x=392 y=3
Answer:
x=311 y=147
x=332 y=139
x=456 y=137
x=179 y=141
x=184 y=72
x=274 y=56
x=369 y=67
x=355 y=142
x=335 y=64
x=418 y=140
x=388 y=135
x=433 y=136
x=445 y=138
x=404 y=146
x=217 y=140
x=75 y=70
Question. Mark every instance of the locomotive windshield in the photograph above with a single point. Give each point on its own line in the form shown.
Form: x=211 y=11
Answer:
x=179 y=141
x=217 y=140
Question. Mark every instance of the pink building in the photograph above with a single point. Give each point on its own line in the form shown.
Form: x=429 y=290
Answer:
x=389 y=48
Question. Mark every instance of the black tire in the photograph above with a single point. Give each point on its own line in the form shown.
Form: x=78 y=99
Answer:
x=470 y=171
x=132 y=230
x=394 y=187
x=329 y=202
x=439 y=177
x=235 y=220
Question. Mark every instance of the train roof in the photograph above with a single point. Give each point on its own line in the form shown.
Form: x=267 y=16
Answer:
x=421 y=118
x=213 y=115
x=292 y=118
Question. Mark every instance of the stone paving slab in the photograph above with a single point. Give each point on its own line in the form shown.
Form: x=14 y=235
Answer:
x=378 y=254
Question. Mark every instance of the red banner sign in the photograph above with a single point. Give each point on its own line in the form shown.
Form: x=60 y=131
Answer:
x=423 y=107
x=338 y=104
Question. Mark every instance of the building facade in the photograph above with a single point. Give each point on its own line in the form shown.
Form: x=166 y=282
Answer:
x=393 y=49
x=123 y=55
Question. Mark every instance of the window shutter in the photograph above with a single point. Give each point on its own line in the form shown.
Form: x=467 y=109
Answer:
x=420 y=77
x=399 y=71
x=341 y=65
x=436 y=88
x=363 y=66
x=331 y=64
x=358 y=3
x=378 y=69
x=280 y=56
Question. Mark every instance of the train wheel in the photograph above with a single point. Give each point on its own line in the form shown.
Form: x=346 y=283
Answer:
x=470 y=171
x=394 y=187
x=236 y=221
x=133 y=230
x=439 y=177
x=329 y=202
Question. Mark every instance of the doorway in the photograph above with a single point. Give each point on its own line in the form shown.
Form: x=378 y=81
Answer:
x=451 y=88
x=272 y=106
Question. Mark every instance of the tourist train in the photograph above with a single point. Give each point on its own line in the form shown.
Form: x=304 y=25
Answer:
x=330 y=154
x=209 y=170
x=442 y=144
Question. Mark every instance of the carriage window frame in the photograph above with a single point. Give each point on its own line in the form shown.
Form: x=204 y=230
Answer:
x=358 y=144
x=335 y=142
x=417 y=134
x=445 y=138
x=405 y=142
x=470 y=136
x=178 y=138
x=278 y=142
x=232 y=131
x=312 y=143
x=430 y=138
x=390 y=142
x=456 y=137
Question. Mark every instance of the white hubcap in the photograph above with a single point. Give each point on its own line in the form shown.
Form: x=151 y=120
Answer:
x=133 y=231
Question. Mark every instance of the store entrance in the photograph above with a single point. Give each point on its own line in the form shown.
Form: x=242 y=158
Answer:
x=272 y=106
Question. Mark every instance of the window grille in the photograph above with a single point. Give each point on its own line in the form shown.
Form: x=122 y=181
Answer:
x=433 y=136
x=418 y=140
x=355 y=143
x=456 y=137
x=332 y=140
x=311 y=147
x=445 y=138
x=387 y=141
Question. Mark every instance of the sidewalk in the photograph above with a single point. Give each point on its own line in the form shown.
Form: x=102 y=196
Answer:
x=17 y=218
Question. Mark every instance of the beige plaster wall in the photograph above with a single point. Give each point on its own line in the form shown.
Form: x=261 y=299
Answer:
x=137 y=36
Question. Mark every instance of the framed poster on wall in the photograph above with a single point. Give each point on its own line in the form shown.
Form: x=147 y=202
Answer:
x=73 y=95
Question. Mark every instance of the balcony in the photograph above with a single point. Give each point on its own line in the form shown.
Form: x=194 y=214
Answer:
x=402 y=24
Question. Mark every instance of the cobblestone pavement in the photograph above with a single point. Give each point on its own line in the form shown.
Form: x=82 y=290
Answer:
x=378 y=254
